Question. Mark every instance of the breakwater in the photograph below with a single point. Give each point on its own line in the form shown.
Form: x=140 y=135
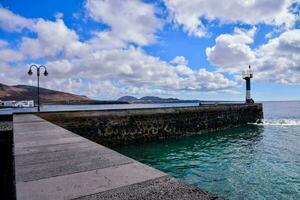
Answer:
x=111 y=127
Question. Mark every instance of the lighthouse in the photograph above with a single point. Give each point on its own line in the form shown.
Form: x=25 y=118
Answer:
x=247 y=75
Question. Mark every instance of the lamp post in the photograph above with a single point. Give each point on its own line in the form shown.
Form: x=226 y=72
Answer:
x=38 y=68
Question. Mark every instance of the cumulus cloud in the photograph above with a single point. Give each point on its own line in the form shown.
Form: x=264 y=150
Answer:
x=191 y=14
x=133 y=69
x=108 y=63
x=232 y=52
x=3 y=43
x=7 y=54
x=129 y=20
x=119 y=71
x=112 y=61
x=12 y=22
x=53 y=39
x=276 y=61
x=179 y=60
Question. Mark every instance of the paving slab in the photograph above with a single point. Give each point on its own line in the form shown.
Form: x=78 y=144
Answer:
x=52 y=130
x=53 y=163
x=76 y=164
x=30 y=143
x=41 y=137
x=34 y=126
x=53 y=147
x=73 y=154
x=87 y=183
x=27 y=118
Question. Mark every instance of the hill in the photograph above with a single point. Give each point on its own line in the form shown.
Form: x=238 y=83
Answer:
x=127 y=98
x=25 y=92
x=153 y=99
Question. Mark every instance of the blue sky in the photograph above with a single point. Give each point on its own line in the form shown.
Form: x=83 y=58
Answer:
x=190 y=50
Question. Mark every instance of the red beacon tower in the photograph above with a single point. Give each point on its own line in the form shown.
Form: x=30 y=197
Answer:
x=247 y=75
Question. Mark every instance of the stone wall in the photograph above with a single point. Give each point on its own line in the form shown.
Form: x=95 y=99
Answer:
x=111 y=127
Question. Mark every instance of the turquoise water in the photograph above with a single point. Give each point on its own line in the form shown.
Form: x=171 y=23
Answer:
x=252 y=162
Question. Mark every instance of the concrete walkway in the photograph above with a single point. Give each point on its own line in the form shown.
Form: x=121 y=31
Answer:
x=54 y=163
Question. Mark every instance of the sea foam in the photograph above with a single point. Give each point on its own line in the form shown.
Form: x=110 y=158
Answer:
x=278 y=122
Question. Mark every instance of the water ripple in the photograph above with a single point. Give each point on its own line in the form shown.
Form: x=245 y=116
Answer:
x=253 y=162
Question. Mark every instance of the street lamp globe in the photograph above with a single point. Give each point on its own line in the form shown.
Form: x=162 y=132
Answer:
x=29 y=72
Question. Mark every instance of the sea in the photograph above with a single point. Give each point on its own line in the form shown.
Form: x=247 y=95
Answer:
x=256 y=161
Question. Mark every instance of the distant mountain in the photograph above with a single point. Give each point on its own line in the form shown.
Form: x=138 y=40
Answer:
x=127 y=98
x=25 y=92
x=152 y=99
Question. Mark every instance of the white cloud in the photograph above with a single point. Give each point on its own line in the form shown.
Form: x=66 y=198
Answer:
x=129 y=20
x=107 y=63
x=276 y=61
x=12 y=22
x=3 y=43
x=9 y=55
x=105 y=40
x=179 y=60
x=190 y=14
x=119 y=72
x=54 y=39
x=132 y=68
x=231 y=52
x=58 y=15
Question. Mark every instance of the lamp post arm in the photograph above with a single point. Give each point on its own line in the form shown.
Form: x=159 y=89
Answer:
x=33 y=66
x=45 y=69
x=42 y=66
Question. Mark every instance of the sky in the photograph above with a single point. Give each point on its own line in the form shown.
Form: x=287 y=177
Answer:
x=194 y=49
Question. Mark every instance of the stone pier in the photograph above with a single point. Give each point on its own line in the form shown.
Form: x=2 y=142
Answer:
x=54 y=163
x=111 y=127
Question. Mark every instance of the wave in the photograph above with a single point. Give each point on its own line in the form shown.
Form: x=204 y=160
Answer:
x=279 y=122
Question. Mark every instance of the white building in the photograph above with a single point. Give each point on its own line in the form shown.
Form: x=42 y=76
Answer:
x=18 y=104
